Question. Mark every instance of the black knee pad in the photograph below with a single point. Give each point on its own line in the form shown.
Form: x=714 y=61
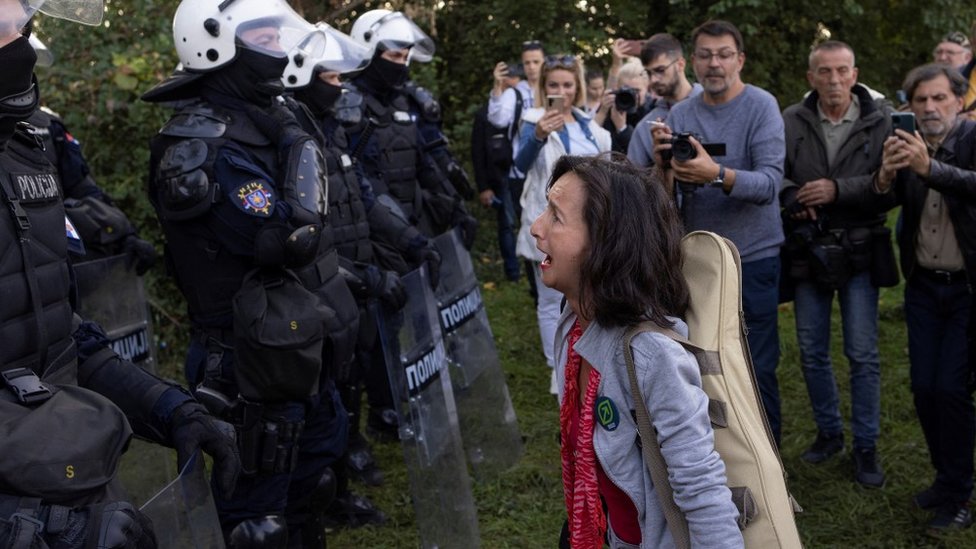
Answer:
x=267 y=532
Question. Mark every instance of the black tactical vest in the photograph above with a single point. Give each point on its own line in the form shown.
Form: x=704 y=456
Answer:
x=391 y=157
x=208 y=262
x=35 y=311
x=347 y=214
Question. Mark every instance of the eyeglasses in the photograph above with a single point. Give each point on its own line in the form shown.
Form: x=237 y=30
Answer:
x=659 y=71
x=560 y=61
x=531 y=45
x=723 y=55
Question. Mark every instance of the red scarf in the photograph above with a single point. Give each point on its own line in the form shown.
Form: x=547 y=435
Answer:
x=587 y=523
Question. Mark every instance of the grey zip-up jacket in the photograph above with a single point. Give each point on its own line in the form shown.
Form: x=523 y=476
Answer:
x=671 y=384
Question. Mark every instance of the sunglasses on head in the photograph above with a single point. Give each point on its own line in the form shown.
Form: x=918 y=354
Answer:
x=531 y=45
x=561 y=61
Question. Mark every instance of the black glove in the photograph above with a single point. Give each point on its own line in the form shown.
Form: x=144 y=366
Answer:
x=469 y=229
x=119 y=525
x=138 y=253
x=277 y=123
x=387 y=287
x=429 y=255
x=192 y=427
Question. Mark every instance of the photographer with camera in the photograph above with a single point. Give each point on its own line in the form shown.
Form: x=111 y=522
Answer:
x=837 y=244
x=735 y=196
x=622 y=108
x=664 y=61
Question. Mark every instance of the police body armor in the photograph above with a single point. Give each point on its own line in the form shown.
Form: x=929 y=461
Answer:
x=347 y=214
x=218 y=275
x=36 y=326
x=34 y=272
x=387 y=147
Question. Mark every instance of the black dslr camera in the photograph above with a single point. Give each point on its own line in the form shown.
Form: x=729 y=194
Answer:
x=683 y=150
x=625 y=99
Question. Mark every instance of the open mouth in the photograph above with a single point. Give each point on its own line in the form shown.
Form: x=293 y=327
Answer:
x=547 y=261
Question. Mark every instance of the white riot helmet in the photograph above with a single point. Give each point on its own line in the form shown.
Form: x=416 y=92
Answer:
x=323 y=49
x=381 y=30
x=207 y=33
x=14 y=14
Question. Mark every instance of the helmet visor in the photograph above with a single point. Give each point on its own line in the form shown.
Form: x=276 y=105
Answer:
x=395 y=31
x=14 y=14
x=338 y=52
x=270 y=27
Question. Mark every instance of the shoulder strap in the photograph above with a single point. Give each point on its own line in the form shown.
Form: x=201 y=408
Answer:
x=23 y=227
x=650 y=448
x=513 y=130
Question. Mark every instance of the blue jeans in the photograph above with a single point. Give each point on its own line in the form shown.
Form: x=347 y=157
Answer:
x=506 y=220
x=859 y=320
x=760 y=299
x=937 y=316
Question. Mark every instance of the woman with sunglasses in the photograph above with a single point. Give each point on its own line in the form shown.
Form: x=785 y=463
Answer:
x=610 y=238
x=556 y=126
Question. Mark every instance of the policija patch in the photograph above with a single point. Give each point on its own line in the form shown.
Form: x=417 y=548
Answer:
x=607 y=414
x=255 y=198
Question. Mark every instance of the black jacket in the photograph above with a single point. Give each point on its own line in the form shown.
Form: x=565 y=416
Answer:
x=953 y=173
x=856 y=160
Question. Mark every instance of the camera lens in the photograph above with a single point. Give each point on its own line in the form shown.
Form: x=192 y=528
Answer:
x=625 y=100
x=682 y=149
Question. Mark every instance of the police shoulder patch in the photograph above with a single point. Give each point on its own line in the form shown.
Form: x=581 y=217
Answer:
x=607 y=414
x=255 y=198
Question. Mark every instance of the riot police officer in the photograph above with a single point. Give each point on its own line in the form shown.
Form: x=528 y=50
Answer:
x=239 y=190
x=386 y=137
x=365 y=226
x=68 y=404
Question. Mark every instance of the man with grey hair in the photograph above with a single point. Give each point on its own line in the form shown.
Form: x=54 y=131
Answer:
x=953 y=49
x=834 y=141
x=664 y=61
x=931 y=174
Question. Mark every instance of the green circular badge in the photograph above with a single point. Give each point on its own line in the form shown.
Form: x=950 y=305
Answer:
x=607 y=414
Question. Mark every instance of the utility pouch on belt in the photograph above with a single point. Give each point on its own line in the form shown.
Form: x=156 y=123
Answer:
x=268 y=445
x=279 y=332
x=60 y=443
x=884 y=268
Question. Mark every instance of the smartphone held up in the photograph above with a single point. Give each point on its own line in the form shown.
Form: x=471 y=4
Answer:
x=903 y=121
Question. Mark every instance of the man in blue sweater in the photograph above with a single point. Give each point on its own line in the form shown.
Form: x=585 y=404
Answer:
x=735 y=192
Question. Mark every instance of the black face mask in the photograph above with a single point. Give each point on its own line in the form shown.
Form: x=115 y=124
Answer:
x=18 y=95
x=384 y=74
x=252 y=76
x=319 y=96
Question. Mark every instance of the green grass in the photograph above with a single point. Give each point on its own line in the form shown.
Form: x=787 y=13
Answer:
x=524 y=507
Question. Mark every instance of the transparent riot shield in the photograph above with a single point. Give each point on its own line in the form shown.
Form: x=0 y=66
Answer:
x=489 y=428
x=419 y=378
x=183 y=513
x=113 y=296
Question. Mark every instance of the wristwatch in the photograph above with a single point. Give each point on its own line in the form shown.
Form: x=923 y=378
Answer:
x=719 y=180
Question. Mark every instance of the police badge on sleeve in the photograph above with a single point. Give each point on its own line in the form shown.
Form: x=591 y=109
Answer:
x=255 y=198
